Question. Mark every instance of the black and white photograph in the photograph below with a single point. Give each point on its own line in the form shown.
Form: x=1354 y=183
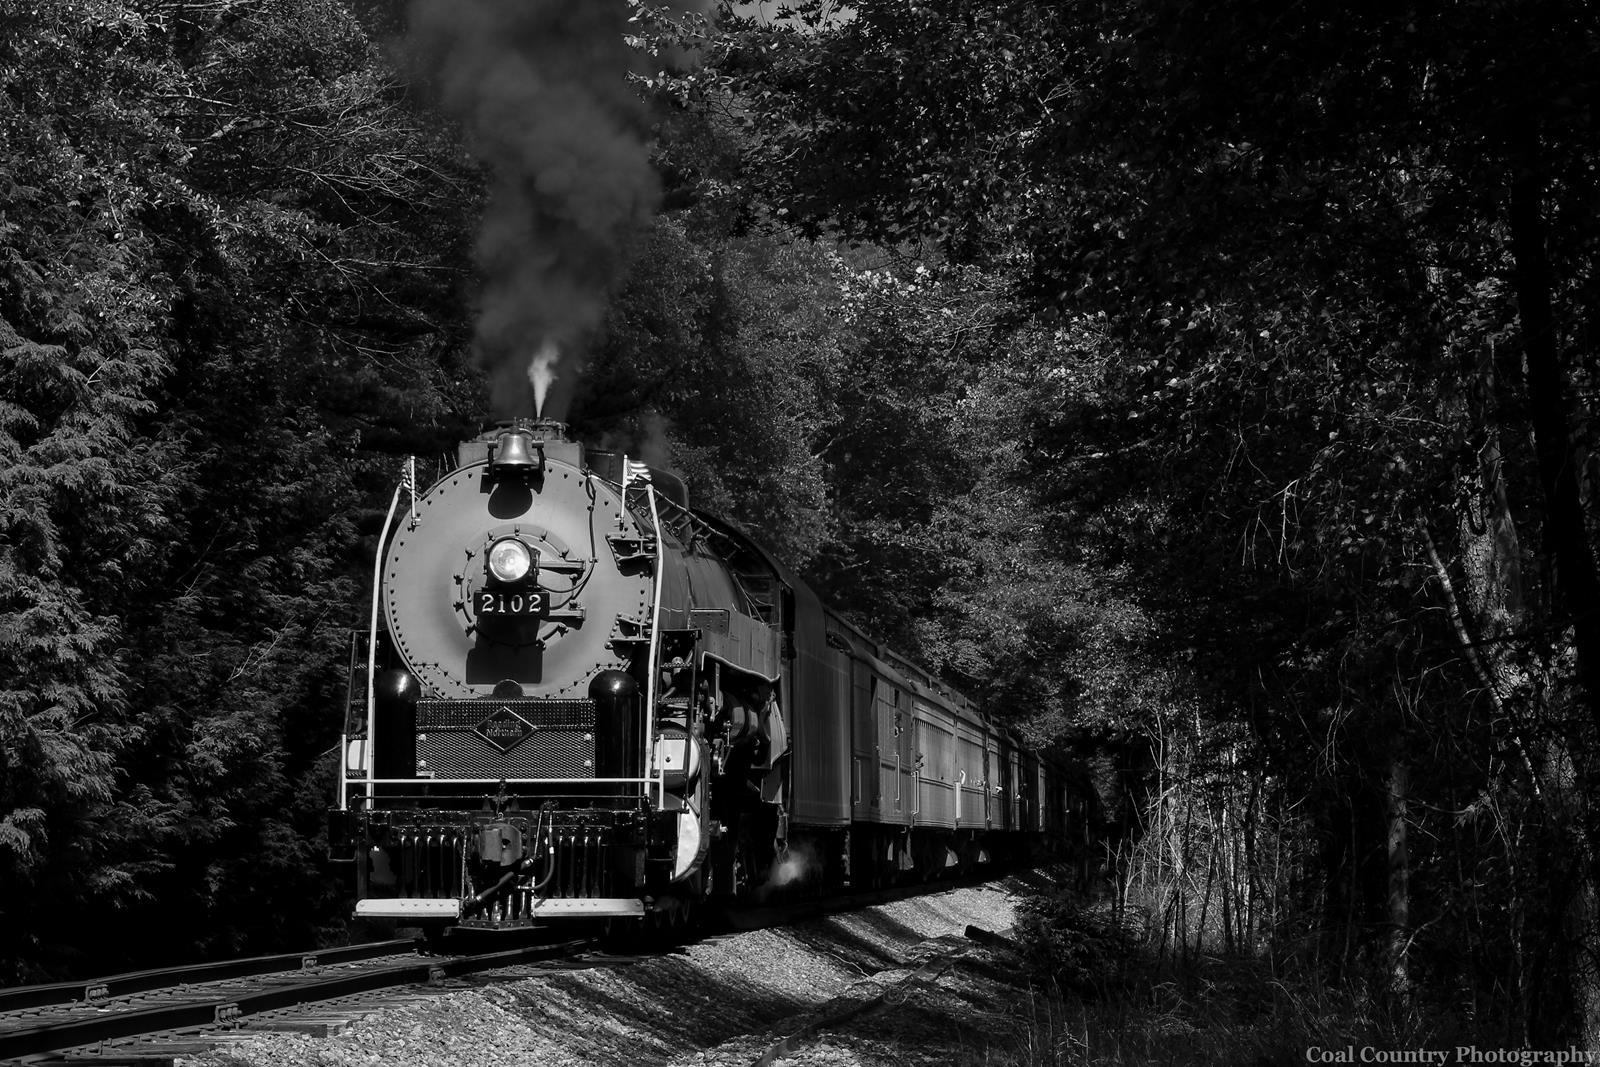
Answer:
x=833 y=533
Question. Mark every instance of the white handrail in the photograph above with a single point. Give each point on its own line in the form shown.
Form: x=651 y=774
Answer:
x=660 y=779
x=512 y=781
x=372 y=651
x=650 y=659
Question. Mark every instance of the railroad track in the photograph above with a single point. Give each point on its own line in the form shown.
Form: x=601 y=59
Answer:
x=93 y=1020
x=103 y=1020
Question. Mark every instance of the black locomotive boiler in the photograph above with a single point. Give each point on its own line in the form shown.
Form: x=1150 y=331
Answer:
x=578 y=697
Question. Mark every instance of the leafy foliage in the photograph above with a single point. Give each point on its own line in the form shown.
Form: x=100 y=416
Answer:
x=722 y=360
x=225 y=236
x=1087 y=950
x=1153 y=370
x=1282 y=415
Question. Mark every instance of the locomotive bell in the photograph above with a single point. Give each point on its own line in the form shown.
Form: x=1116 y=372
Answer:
x=514 y=454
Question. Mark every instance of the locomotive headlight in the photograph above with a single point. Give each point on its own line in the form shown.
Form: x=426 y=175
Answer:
x=510 y=560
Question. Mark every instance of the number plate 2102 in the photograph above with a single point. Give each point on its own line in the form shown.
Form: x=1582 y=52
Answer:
x=532 y=603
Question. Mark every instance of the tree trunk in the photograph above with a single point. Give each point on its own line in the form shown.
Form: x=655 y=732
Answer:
x=1575 y=586
x=1399 y=880
x=1566 y=540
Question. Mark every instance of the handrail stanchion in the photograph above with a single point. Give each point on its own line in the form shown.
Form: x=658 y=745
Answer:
x=372 y=643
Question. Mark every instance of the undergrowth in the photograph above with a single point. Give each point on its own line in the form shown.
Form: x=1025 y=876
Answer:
x=1100 y=994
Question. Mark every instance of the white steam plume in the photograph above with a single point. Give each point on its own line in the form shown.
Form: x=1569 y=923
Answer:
x=542 y=373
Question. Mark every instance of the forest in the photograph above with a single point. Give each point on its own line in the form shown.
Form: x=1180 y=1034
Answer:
x=1206 y=388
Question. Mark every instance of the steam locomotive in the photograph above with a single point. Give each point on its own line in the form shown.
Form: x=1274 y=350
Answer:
x=579 y=698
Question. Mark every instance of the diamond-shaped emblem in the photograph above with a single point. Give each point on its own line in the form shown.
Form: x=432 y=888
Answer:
x=504 y=729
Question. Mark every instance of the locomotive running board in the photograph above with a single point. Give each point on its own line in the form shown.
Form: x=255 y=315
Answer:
x=433 y=908
x=408 y=908
x=622 y=907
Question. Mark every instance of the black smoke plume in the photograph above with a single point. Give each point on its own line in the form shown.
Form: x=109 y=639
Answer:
x=542 y=89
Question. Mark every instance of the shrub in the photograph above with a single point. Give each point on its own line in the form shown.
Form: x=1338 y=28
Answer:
x=1082 y=947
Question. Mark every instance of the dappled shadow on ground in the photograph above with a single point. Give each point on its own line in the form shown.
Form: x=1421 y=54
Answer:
x=898 y=968
x=662 y=1008
x=858 y=951
x=707 y=993
x=1039 y=880
x=880 y=940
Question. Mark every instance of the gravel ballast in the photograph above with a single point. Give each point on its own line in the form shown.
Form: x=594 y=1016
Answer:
x=896 y=983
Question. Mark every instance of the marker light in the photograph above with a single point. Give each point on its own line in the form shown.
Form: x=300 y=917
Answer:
x=509 y=560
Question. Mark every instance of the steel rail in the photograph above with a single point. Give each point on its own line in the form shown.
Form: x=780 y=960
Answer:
x=20 y=998
x=194 y=1014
